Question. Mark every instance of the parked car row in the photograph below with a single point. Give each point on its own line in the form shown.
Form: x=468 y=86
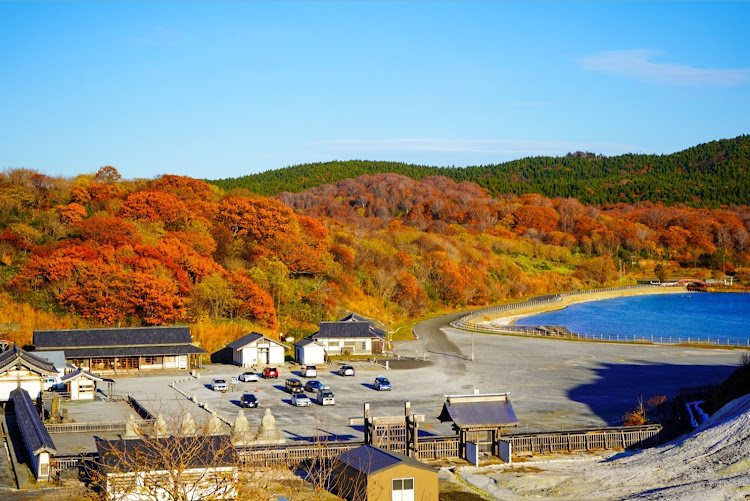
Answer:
x=321 y=394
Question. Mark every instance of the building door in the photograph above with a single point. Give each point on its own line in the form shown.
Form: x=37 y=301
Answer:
x=402 y=489
x=263 y=356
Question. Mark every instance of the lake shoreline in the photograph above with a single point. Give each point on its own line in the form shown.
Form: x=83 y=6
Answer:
x=510 y=317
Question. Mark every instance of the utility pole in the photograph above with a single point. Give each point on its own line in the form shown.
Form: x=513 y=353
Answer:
x=472 y=346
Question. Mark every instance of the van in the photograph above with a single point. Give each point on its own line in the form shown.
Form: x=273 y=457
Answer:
x=51 y=384
x=293 y=385
x=309 y=371
x=325 y=397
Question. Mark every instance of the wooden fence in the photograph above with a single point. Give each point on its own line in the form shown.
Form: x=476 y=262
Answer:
x=429 y=448
x=91 y=427
x=438 y=448
x=585 y=440
x=294 y=454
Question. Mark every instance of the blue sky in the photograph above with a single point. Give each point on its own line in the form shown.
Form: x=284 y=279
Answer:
x=216 y=90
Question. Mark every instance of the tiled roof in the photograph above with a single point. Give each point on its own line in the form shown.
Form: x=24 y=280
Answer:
x=307 y=341
x=14 y=355
x=353 y=317
x=348 y=330
x=55 y=357
x=97 y=338
x=368 y=459
x=162 y=453
x=249 y=339
x=132 y=351
x=31 y=426
x=479 y=410
x=80 y=373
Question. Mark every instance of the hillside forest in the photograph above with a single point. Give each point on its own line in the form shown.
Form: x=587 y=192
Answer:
x=99 y=250
x=710 y=175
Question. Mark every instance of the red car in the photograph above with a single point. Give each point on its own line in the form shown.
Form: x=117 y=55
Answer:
x=270 y=372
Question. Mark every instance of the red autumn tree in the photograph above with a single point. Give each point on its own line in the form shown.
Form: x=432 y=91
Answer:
x=155 y=206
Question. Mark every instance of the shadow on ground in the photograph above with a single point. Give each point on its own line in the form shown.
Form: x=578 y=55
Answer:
x=617 y=388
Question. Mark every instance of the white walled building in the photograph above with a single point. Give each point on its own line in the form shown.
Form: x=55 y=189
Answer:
x=21 y=369
x=256 y=349
x=309 y=352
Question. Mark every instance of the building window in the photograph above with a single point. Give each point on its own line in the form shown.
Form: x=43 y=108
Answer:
x=153 y=360
x=402 y=489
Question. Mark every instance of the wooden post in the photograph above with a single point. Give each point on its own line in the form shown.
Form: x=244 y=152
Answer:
x=368 y=423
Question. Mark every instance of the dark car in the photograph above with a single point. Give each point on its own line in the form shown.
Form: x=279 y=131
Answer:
x=313 y=386
x=248 y=400
x=382 y=384
x=293 y=385
x=271 y=372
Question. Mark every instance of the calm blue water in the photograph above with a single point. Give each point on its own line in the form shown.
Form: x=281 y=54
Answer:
x=718 y=316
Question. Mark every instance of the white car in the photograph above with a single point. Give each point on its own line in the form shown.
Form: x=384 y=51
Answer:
x=346 y=370
x=219 y=385
x=301 y=400
x=248 y=377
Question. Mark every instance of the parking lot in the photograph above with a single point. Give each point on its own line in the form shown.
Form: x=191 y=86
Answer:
x=295 y=423
x=553 y=384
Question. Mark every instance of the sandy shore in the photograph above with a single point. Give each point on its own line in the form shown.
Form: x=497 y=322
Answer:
x=510 y=317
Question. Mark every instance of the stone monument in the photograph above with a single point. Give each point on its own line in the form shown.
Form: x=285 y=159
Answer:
x=267 y=433
x=131 y=429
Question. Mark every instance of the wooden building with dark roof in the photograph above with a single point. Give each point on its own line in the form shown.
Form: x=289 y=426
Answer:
x=21 y=369
x=123 y=349
x=256 y=349
x=369 y=473
x=137 y=469
x=36 y=438
x=353 y=335
x=479 y=419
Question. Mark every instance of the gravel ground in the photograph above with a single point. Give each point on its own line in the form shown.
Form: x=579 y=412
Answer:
x=554 y=384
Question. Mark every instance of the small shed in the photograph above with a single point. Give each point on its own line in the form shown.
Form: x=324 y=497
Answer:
x=81 y=384
x=36 y=438
x=21 y=369
x=307 y=351
x=479 y=418
x=369 y=473
x=256 y=349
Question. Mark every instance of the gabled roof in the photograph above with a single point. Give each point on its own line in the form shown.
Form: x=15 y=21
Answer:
x=348 y=329
x=133 y=351
x=368 y=459
x=56 y=358
x=468 y=411
x=353 y=317
x=247 y=339
x=31 y=426
x=115 y=337
x=80 y=373
x=306 y=342
x=15 y=356
x=155 y=454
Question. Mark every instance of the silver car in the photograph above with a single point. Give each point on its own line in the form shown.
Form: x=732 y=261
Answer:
x=301 y=400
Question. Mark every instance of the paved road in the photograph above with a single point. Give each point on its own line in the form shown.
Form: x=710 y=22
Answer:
x=442 y=351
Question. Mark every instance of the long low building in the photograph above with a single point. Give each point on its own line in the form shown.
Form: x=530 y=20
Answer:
x=127 y=349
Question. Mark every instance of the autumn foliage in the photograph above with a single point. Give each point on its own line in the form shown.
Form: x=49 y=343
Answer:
x=171 y=250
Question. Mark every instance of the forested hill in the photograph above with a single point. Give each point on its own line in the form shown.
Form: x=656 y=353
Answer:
x=708 y=175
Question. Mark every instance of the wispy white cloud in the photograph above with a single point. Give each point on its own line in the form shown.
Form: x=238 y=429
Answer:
x=494 y=146
x=637 y=64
